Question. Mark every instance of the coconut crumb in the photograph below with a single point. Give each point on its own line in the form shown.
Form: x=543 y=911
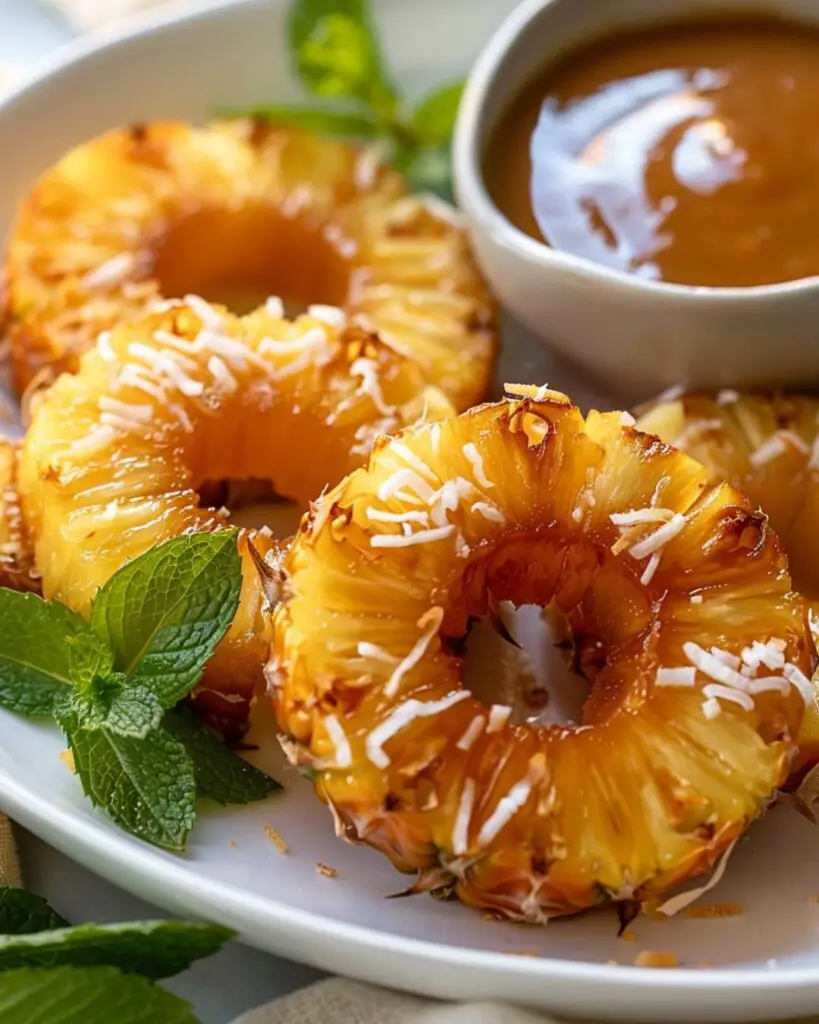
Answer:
x=525 y=952
x=326 y=870
x=656 y=958
x=629 y=936
x=276 y=839
x=714 y=910
x=67 y=759
x=233 y=845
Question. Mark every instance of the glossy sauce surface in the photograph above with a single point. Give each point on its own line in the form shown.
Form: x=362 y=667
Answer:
x=686 y=153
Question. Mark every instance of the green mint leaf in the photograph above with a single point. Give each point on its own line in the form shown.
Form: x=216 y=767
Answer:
x=146 y=785
x=220 y=773
x=164 y=612
x=87 y=995
x=24 y=912
x=338 y=53
x=314 y=119
x=89 y=657
x=135 y=712
x=154 y=949
x=434 y=118
x=429 y=170
x=40 y=648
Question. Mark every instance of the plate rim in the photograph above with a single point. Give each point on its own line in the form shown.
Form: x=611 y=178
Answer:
x=91 y=841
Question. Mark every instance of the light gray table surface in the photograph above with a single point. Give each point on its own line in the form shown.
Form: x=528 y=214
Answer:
x=238 y=978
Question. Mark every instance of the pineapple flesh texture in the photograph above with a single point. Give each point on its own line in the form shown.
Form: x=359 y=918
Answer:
x=16 y=563
x=116 y=453
x=513 y=501
x=241 y=207
x=765 y=445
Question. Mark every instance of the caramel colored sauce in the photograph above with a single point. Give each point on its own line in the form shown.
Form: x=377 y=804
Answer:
x=686 y=153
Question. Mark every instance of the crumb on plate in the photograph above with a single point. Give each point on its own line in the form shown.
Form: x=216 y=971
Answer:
x=67 y=759
x=233 y=844
x=326 y=870
x=709 y=910
x=656 y=958
x=629 y=936
x=276 y=839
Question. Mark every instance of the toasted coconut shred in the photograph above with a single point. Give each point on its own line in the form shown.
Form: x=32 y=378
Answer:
x=276 y=839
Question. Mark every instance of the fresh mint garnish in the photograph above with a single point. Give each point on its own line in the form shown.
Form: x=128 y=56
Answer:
x=154 y=949
x=220 y=774
x=338 y=56
x=164 y=613
x=108 y=683
x=44 y=646
x=22 y=913
x=87 y=995
x=145 y=784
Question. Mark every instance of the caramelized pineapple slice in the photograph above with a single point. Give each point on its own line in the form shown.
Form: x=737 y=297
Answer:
x=116 y=455
x=687 y=731
x=239 y=207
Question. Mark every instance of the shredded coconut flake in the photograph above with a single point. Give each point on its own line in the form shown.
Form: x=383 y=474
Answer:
x=719 y=692
x=731 y=660
x=414 y=516
x=685 y=899
x=111 y=273
x=713 y=667
x=796 y=677
x=405 y=478
x=385 y=540
x=498 y=716
x=638 y=516
x=367 y=370
x=476 y=462
x=333 y=316
x=104 y=347
x=472 y=732
x=770 y=449
x=696 y=599
x=727 y=397
x=508 y=806
x=659 y=538
x=711 y=709
x=274 y=307
x=344 y=755
x=491 y=512
x=139 y=413
x=207 y=314
x=368 y=650
x=627 y=420
x=222 y=375
x=99 y=438
x=401 y=717
x=460 y=830
x=685 y=676
x=432 y=620
x=650 y=569
x=411 y=459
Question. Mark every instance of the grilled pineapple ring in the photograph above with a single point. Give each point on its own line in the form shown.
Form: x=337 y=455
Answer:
x=526 y=501
x=115 y=455
x=768 y=446
x=166 y=208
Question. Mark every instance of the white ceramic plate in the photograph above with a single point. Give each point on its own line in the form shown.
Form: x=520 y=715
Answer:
x=763 y=964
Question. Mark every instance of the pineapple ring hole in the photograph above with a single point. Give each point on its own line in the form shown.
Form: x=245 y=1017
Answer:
x=253 y=504
x=577 y=609
x=238 y=257
x=536 y=668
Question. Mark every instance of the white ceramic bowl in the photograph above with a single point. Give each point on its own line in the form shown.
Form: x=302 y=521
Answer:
x=634 y=335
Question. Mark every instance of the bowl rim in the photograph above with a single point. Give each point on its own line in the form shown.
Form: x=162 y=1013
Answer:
x=473 y=194
x=129 y=862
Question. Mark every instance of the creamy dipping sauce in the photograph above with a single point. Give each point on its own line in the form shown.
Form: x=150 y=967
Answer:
x=684 y=152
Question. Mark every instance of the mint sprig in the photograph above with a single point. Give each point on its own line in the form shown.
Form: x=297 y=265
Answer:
x=22 y=913
x=109 y=683
x=220 y=774
x=338 y=56
x=87 y=995
x=154 y=949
